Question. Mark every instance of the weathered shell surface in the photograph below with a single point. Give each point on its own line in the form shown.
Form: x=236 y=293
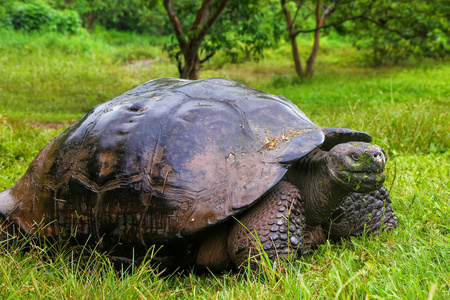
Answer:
x=162 y=161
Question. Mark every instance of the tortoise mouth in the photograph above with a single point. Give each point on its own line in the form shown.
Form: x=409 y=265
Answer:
x=360 y=181
x=365 y=181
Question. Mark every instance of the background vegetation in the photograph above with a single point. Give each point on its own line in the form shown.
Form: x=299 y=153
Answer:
x=51 y=77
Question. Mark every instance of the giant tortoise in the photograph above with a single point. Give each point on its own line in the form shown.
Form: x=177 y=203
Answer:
x=211 y=170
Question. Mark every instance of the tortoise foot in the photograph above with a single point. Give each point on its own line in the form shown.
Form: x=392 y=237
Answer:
x=213 y=253
x=314 y=236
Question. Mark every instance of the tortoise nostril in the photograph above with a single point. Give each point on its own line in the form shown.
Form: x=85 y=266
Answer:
x=377 y=155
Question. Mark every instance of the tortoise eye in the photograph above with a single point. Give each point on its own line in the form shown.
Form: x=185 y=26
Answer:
x=354 y=157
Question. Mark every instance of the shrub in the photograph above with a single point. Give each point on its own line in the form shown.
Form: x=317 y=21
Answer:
x=5 y=18
x=68 y=21
x=38 y=15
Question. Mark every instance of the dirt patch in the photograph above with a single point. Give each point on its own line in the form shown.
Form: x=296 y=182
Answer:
x=139 y=63
x=145 y=63
x=16 y=123
x=48 y=125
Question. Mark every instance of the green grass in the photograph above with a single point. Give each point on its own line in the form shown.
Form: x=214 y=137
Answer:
x=55 y=78
x=47 y=81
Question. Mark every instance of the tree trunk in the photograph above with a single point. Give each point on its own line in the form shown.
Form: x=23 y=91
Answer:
x=189 y=46
x=91 y=18
x=312 y=57
x=292 y=37
x=192 y=64
x=195 y=72
x=296 y=56
x=320 y=21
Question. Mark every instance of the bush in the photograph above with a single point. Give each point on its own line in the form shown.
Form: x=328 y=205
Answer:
x=5 y=18
x=68 y=21
x=38 y=15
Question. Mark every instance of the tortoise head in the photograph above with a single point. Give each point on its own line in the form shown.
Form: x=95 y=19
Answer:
x=359 y=166
x=344 y=163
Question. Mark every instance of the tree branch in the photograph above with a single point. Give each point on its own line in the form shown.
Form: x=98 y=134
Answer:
x=338 y=22
x=204 y=29
x=207 y=57
x=329 y=25
x=173 y=17
x=329 y=10
x=296 y=12
x=202 y=14
x=382 y=25
x=317 y=13
x=287 y=15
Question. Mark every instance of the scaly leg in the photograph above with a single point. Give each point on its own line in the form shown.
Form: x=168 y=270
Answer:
x=277 y=222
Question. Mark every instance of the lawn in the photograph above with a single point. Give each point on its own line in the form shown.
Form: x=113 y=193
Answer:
x=47 y=81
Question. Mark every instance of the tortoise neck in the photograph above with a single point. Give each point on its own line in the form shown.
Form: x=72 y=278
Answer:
x=321 y=193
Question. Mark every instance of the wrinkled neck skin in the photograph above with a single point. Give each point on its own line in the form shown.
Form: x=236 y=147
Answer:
x=321 y=192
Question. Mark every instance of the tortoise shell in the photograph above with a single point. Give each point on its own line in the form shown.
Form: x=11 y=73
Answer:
x=162 y=161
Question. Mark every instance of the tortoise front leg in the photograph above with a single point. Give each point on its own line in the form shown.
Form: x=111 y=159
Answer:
x=276 y=224
x=361 y=213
